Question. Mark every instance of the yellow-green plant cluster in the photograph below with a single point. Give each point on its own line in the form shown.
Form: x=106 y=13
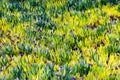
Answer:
x=59 y=39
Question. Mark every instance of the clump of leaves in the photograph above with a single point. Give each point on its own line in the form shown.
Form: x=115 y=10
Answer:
x=83 y=68
x=25 y=48
x=45 y=22
x=8 y=50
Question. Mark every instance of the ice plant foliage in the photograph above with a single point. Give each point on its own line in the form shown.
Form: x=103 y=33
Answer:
x=59 y=40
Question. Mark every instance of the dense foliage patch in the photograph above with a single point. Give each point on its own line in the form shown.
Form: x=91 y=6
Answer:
x=59 y=39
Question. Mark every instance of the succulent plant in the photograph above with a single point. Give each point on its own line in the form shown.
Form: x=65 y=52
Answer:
x=59 y=39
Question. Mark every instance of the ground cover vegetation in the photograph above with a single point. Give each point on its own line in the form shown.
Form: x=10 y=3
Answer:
x=60 y=39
